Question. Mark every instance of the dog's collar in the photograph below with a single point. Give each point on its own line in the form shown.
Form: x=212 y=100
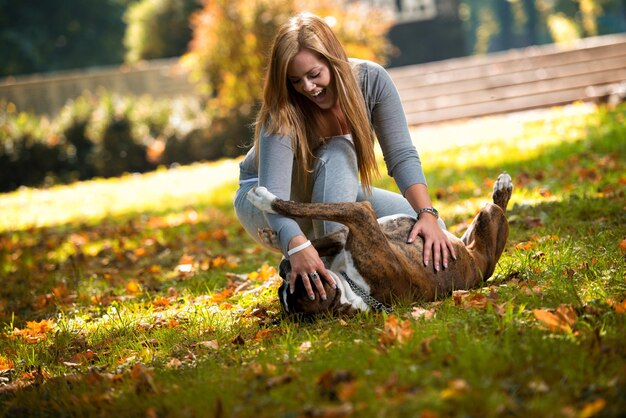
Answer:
x=367 y=298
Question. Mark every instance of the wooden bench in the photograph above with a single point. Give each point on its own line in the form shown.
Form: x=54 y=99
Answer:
x=514 y=80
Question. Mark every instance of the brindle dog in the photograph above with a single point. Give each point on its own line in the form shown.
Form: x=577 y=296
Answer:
x=375 y=254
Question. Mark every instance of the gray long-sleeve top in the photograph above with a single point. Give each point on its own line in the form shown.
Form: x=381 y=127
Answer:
x=276 y=158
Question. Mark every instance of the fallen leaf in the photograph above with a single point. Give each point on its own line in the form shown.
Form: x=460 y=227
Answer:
x=6 y=363
x=622 y=246
x=174 y=363
x=592 y=408
x=620 y=308
x=161 y=302
x=419 y=312
x=455 y=389
x=218 y=262
x=221 y=296
x=185 y=264
x=466 y=299
x=133 y=287
x=267 y=333
x=337 y=384
x=538 y=386
x=143 y=378
x=212 y=345
x=339 y=411
x=395 y=332
x=35 y=331
x=305 y=346
x=561 y=319
x=274 y=381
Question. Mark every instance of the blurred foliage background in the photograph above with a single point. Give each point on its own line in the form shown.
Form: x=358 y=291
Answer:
x=64 y=34
x=224 y=45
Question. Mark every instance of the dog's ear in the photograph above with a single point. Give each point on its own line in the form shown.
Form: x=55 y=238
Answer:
x=282 y=297
x=284 y=268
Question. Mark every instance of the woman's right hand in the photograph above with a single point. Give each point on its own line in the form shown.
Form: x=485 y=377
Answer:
x=307 y=264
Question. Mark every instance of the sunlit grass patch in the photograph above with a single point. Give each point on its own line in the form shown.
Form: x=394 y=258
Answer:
x=143 y=296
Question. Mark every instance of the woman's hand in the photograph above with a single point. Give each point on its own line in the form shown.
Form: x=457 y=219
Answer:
x=436 y=242
x=307 y=264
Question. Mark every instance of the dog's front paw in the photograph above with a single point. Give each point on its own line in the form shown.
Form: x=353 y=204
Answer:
x=262 y=199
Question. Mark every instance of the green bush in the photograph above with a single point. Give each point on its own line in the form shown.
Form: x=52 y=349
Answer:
x=108 y=135
x=158 y=28
x=28 y=154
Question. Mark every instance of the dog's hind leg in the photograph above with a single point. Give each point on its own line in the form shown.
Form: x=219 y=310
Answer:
x=486 y=236
x=502 y=190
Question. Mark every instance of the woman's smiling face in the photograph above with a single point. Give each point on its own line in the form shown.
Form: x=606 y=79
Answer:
x=310 y=76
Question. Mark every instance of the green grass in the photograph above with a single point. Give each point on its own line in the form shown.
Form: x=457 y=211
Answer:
x=142 y=296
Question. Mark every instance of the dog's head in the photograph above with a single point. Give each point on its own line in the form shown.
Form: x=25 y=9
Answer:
x=298 y=302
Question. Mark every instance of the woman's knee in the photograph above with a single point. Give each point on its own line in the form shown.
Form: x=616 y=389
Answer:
x=337 y=154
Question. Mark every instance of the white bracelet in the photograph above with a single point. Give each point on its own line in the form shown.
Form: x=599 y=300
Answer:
x=299 y=248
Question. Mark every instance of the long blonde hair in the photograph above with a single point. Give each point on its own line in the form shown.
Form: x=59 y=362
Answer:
x=286 y=112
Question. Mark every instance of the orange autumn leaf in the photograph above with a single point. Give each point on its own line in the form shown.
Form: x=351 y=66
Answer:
x=561 y=319
x=6 y=363
x=220 y=235
x=60 y=291
x=592 y=408
x=620 y=308
x=161 y=302
x=395 y=332
x=172 y=323
x=264 y=334
x=622 y=246
x=218 y=261
x=525 y=246
x=203 y=236
x=154 y=269
x=133 y=287
x=35 y=331
x=221 y=296
x=263 y=274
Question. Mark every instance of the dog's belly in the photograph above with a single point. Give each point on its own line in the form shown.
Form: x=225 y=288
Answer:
x=397 y=229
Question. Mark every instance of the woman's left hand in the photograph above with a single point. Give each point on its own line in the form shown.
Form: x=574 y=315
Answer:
x=436 y=243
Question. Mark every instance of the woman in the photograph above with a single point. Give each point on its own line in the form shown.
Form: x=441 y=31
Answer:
x=314 y=141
